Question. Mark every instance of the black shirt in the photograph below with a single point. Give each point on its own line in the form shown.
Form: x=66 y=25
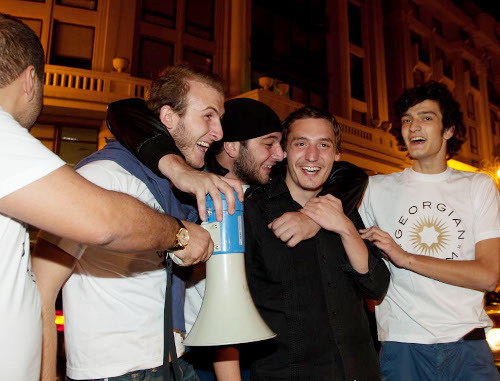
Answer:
x=310 y=296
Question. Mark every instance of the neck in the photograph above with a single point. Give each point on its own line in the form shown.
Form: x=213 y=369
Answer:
x=429 y=167
x=299 y=194
x=9 y=100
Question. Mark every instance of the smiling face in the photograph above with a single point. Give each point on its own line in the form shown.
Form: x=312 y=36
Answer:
x=200 y=125
x=310 y=150
x=256 y=158
x=422 y=131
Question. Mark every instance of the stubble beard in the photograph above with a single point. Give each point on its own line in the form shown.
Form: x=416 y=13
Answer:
x=247 y=169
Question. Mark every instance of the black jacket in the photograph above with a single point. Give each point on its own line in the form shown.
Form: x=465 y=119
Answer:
x=310 y=296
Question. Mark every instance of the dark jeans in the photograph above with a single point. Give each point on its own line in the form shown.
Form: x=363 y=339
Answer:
x=153 y=374
x=459 y=361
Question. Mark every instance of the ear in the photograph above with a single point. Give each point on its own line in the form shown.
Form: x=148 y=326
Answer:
x=169 y=118
x=337 y=156
x=232 y=149
x=29 y=82
x=448 y=133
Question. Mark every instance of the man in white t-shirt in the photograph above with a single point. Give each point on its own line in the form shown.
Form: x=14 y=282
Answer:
x=440 y=229
x=114 y=302
x=37 y=188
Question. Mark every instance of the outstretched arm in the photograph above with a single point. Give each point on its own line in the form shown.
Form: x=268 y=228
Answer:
x=65 y=204
x=139 y=130
x=481 y=273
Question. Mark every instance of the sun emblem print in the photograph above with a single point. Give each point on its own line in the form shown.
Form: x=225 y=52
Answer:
x=429 y=235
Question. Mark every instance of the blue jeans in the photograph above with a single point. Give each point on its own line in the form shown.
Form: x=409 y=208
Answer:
x=470 y=360
x=153 y=374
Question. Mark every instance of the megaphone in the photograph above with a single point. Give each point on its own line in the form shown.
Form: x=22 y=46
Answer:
x=228 y=314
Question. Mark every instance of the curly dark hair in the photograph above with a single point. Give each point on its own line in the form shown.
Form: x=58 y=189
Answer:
x=311 y=112
x=449 y=107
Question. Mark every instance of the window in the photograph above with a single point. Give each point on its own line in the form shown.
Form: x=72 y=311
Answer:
x=471 y=109
x=355 y=25
x=72 y=45
x=159 y=12
x=200 y=18
x=473 y=140
x=198 y=59
x=85 y=4
x=71 y=143
x=422 y=48
x=445 y=63
x=437 y=26
x=154 y=56
x=357 y=80
x=493 y=120
x=289 y=44
x=474 y=79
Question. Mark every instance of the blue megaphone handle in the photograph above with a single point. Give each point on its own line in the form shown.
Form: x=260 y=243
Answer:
x=229 y=234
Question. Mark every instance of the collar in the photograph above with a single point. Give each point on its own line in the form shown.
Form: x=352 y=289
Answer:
x=278 y=186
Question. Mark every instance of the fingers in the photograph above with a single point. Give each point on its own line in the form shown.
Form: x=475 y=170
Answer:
x=200 y=201
x=278 y=222
x=230 y=198
x=237 y=186
x=217 y=200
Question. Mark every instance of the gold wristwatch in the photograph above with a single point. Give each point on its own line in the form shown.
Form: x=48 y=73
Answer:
x=181 y=237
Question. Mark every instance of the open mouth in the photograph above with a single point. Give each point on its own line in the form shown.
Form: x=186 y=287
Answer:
x=310 y=170
x=418 y=140
x=203 y=145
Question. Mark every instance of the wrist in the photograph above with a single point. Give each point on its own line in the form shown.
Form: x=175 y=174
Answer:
x=349 y=230
x=170 y=165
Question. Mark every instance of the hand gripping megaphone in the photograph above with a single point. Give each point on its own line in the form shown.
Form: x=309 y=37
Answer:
x=228 y=314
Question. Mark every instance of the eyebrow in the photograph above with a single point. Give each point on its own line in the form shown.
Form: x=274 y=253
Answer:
x=320 y=139
x=421 y=113
x=210 y=108
x=273 y=137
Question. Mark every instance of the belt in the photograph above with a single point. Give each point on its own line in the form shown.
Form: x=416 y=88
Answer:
x=475 y=334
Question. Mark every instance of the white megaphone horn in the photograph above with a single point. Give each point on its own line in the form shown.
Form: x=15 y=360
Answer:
x=228 y=314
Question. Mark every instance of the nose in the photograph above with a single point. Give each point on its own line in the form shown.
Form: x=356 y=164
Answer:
x=312 y=153
x=216 y=130
x=414 y=125
x=278 y=154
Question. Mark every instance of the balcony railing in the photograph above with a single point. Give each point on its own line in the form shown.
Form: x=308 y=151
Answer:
x=72 y=84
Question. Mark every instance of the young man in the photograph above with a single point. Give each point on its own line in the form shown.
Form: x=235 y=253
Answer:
x=440 y=229
x=248 y=151
x=311 y=294
x=37 y=188
x=114 y=302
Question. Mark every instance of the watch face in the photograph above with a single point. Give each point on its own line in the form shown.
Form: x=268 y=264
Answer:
x=183 y=236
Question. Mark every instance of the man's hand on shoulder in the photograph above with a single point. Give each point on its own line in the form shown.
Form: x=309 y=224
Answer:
x=199 y=248
x=327 y=212
x=293 y=228
x=198 y=183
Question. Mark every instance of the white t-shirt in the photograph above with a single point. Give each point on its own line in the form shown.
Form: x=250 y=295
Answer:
x=443 y=216
x=23 y=160
x=113 y=302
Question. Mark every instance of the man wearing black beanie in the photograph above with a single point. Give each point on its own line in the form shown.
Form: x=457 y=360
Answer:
x=248 y=151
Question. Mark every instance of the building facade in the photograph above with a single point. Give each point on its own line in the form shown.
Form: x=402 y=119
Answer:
x=353 y=57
